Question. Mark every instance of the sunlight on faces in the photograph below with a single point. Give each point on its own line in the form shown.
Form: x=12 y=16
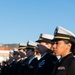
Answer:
x=60 y=48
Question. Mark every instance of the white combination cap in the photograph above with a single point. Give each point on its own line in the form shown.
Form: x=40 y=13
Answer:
x=45 y=38
x=62 y=33
x=31 y=44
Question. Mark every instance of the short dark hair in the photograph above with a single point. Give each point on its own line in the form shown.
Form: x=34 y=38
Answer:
x=72 y=47
x=67 y=41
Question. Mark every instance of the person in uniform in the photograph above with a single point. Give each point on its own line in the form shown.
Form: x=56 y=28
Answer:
x=22 y=62
x=22 y=51
x=47 y=60
x=64 y=42
x=20 y=57
x=33 y=61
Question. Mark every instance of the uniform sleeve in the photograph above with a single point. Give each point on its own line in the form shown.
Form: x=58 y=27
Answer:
x=71 y=68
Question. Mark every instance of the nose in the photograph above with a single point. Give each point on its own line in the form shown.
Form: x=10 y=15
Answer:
x=54 y=45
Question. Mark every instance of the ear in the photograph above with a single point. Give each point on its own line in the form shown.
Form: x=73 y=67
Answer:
x=49 y=45
x=69 y=45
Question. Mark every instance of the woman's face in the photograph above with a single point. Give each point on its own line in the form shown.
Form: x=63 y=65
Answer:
x=60 y=48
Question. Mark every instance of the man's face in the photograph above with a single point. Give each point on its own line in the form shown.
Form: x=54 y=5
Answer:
x=42 y=47
x=29 y=52
x=60 y=48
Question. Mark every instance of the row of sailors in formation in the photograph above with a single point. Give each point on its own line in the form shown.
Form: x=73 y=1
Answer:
x=31 y=58
x=43 y=58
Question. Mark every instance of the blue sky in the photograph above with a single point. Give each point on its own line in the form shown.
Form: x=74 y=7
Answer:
x=23 y=20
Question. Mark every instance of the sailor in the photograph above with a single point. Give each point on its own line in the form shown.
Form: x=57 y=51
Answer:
x=64 y=42
x=33 y=61
x=47 y=60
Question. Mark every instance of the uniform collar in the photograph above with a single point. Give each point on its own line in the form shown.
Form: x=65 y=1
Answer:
x=31 y=60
